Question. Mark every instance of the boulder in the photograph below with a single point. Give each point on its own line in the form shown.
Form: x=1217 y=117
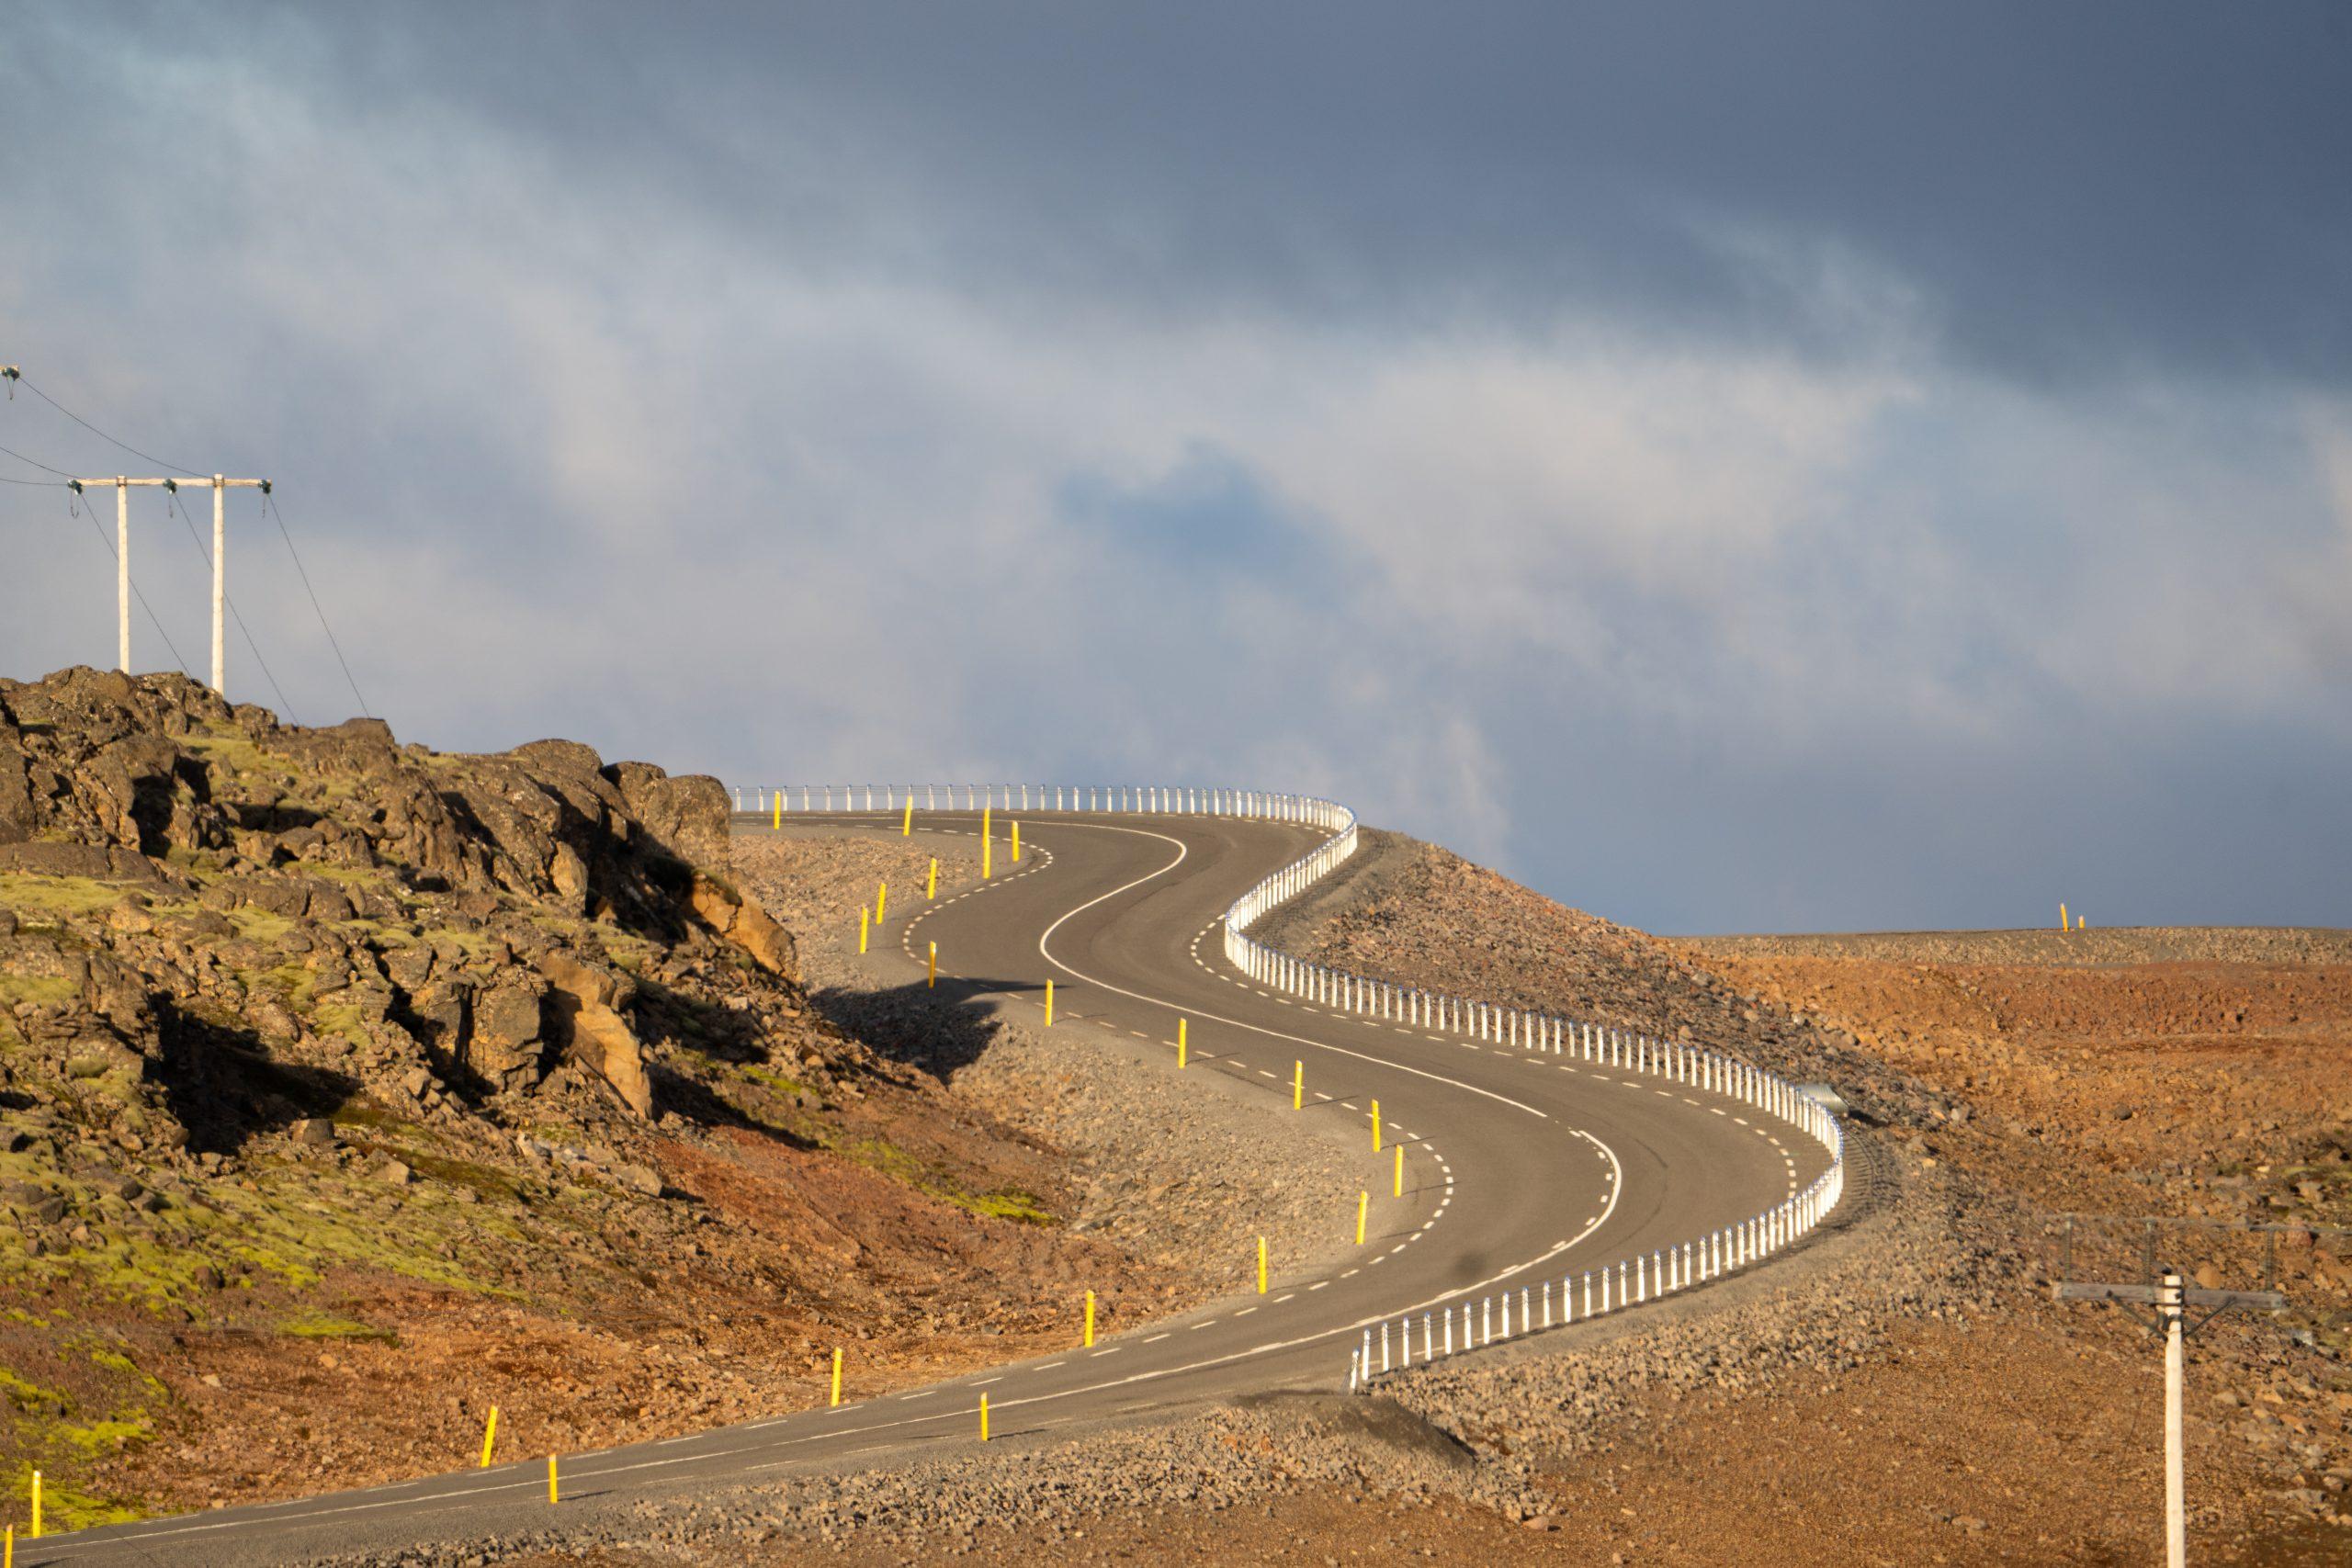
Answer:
x=568 y=872
x=98 y=862
x=357 y=746
x=409 y=967
x=316 y=1132
x=560 y=756
x=685 y=816
x=584 y=1004
x=504 y=1047
x=35 y=1203
x=17 y=814
x=440 y=1011
x=741 y=921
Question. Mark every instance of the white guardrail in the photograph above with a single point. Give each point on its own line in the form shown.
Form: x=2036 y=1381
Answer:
x=1464 y=1325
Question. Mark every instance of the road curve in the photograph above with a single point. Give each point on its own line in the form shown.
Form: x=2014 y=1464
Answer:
x=1524 y=1168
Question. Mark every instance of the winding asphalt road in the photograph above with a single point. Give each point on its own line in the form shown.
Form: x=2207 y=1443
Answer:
x=1520 y=1168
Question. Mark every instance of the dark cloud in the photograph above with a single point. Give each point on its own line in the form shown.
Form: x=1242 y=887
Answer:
x=1823 y=465
x=2073 y=190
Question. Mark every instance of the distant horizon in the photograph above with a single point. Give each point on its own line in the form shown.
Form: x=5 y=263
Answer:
x=1848 y=468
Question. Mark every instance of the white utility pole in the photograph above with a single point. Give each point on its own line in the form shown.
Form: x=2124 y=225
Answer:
x=122 y=574
x=220 y=485
x=2168 y=1308
x=2171 y=1297
x=220 y=583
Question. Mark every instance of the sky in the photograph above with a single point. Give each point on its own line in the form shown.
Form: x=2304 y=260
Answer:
x=1815 y=467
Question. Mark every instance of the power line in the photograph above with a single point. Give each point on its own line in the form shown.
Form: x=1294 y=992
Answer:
x=60 y=408
x=270 y=502
x=285 y=706
x=36 y=463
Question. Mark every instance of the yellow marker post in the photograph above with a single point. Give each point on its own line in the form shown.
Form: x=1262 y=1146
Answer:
x=865 y=918
x=1364 y=1208
x=1299 y=1086
x=1400 y=1170
x=881 y=900
x=1016 y=843
x=777 y=820
x=1090 y=1320
x=1261 y=1265
x=906 y=826
x=1049 y=1004
x=1180 y=1041
x=489 y=1437
x=837 y=1375
x=1376 y=1127
x=984 y=1417
x=36 y=1531
x=551 y=1495
x=932 y=983
x=2082 y=922
x=932 y=889
x=988 y=845
x=11 y=1549
x=2061 y=916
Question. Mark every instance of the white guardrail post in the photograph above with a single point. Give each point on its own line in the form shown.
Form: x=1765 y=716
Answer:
x=1638 y=1279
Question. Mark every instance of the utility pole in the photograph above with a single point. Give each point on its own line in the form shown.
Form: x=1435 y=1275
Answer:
x=2170 y=1297
x=220 y=485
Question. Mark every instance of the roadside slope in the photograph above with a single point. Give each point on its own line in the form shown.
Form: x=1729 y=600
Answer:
x=333 y=1069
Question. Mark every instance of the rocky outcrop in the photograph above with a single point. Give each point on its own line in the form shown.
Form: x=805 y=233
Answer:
x=183 y=882
x=587 y=1006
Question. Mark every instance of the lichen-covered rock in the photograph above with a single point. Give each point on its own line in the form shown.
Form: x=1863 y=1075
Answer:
x=242 y=923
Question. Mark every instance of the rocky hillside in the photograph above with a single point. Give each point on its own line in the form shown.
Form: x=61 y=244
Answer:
x=347 y=1088
x=188 y=891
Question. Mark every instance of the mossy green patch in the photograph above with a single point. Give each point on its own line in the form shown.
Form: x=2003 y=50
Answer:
x=232 y=749
x=41 y=990
x=99 y=1440
x=65 y=1508
x=28 y=1395
x=123 y=1366
x=474 y=944
x=1012 y=1203
x=770 y=1078
x=294 y=982
x=341 y=1018
x=363 y=1112
x=58 y=895
x=323 y=1326
x=482 y=1179
x=881 y=1154
x=259 y=926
